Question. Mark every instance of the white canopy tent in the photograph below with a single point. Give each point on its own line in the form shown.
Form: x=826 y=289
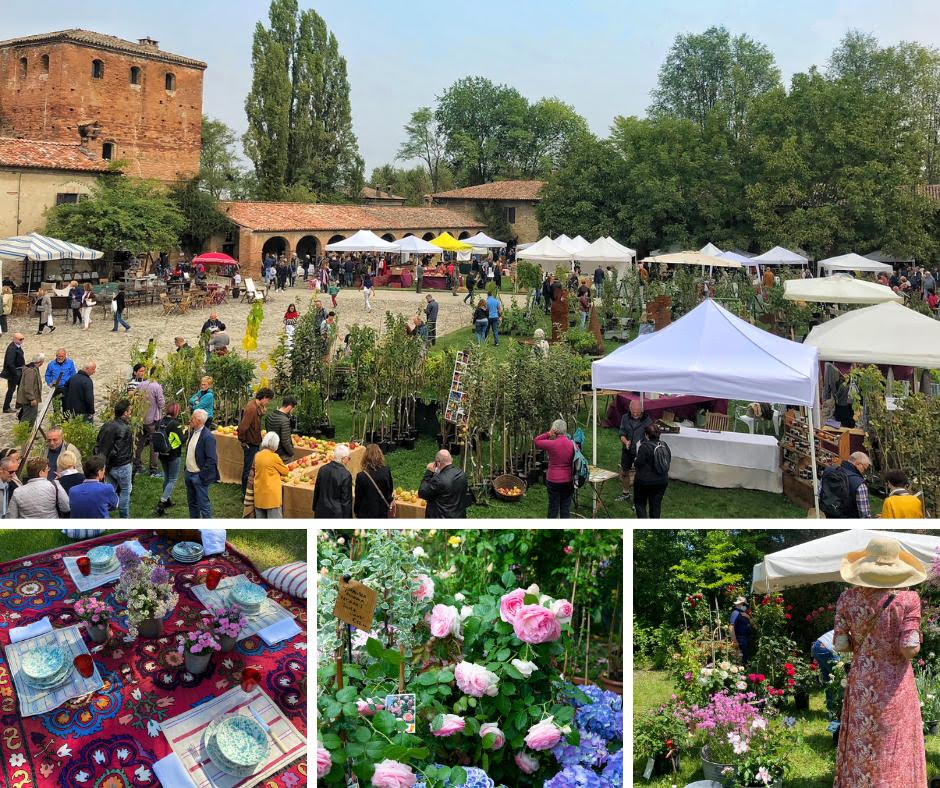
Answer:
x=546 y=251
x=838 y=289
x=692 y=258
x=411 y=244
x=363 y=241
x=712 y=353
x=608 y=251
x=711 y=250
x=34 y=247
x=780 y=256
x=734 y=257
x=484 y=241
x=886 y=333
x=579 y=244
x=819 y=561
x=854 y=262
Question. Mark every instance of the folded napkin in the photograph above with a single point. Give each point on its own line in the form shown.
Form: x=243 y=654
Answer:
x=213 y=540
x=137 y=547
x=40 y=627
x=171 y=772
x=278 y=631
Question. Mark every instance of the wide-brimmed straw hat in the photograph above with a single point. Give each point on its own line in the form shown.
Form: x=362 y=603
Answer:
x=883 y=564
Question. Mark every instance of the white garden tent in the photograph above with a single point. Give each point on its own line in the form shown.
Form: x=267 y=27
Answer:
x=712 y=353
x=363 y=241
x=579 y=244
x=40 y=247
x=819 y=561
x=484 y=241
x=838 y=289
x=854 y=262
x=711 y=250
x=608 y=251
x=411 y=244
x=779 y=256
x=546 y=251
x=882 y=334
x=734 y=257
x=691 y=258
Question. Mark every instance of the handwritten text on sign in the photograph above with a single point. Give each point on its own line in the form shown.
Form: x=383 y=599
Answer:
x=355 y=604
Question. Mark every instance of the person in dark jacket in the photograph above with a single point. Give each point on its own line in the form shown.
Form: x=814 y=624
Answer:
x=29 y=392
x=480 y=321
x=743 y=632
x=857 y=504
x=202 y=466
x=444 y=487
x=547 y=293
x=116 y=445
x=170 y=461
x=431 y=311
x=650 y=484
x=279 y=421
x=374 y=488
x=79 y=399
x=632 y=430
x=598 y=279
x=75 y=302
x=332 y=493
x=249 y=430
x=471 y=285
x=120 y=301
x=212 y=322
x=14 y=359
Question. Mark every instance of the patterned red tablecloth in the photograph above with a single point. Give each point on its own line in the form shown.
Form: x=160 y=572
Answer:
x=111 y=738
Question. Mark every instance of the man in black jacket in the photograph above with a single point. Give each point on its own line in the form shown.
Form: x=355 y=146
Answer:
x=632 y=431
x=279 y=421
x=13 y=362
x=332 y=493
x=444 y=487
x=212 y=322
x=79 y=399
x=116 y=445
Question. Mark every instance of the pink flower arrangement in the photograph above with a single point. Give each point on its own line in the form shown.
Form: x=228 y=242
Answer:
x=392 y=774
x=199 y=641
x=425 y=589
x=536 y=624
x=543 y=735
x=492 y=727
x=227 y=621
x=93 y=610
x=509 y=604
x=368 y=707
x=526 y=763
x=475 y=680
x=444 y=620
x=451 y=724
x=324 y=761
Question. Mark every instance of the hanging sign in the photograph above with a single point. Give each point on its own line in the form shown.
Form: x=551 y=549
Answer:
x=355 y=604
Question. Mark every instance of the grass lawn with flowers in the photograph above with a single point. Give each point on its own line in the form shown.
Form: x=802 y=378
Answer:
x=812 y=756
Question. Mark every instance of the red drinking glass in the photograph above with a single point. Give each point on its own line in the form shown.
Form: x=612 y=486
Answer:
x=251 y=678
x=85 y=664
x=213 y=576
x=84 y=565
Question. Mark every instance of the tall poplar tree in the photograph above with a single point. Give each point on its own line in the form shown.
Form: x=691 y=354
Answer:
x=299 y=117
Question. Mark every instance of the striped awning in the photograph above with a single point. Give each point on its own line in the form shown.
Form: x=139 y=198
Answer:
x=40 y=247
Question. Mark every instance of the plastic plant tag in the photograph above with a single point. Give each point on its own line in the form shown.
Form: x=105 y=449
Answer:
x=648 y=771
x=403 y=707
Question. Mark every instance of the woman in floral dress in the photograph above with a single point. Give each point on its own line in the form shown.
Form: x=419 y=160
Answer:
x=881 y=740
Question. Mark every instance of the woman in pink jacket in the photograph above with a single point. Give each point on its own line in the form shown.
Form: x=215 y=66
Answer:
x=560 y=477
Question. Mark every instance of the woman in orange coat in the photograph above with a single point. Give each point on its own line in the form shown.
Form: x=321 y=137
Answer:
x=900 y=503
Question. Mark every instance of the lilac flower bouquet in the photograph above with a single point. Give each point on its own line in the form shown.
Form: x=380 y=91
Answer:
x=146 y=587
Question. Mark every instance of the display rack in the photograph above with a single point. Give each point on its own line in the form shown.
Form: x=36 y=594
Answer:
x=831 y=447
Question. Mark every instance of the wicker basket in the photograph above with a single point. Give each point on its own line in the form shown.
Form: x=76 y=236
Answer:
x=508 y=480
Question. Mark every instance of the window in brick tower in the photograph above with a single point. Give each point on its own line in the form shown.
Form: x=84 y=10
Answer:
x=97 y=69
x=107 y=151
x=170 y=81
x=135 y=75
x=23 y=68
x=44 y=60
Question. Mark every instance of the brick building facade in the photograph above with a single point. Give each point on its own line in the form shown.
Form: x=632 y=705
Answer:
x=517 y=199
x=122 y=100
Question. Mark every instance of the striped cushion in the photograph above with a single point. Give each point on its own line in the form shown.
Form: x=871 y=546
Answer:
x=290 y=578
x=82 y=533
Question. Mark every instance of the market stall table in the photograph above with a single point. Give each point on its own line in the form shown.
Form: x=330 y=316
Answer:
x=725 y=459
x=298 y=497
x=684 y=406
x=231 y=458
x=114 y=735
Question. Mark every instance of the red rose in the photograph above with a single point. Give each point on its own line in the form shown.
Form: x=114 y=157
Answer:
x=779 y=600
x=761 y=677
x=669 y=744
x=790 y=682
x=789 y=607
x=787 y=616
x=692 y=604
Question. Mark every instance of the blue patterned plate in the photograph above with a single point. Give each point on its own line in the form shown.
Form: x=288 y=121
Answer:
x=187 y=552
x=242 y=741
x=42 y=663
x=216 y=756
x=53 y=681
x=248 y=594
x=100 y=556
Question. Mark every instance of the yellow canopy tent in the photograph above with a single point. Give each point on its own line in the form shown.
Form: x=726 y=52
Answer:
x=448 y=243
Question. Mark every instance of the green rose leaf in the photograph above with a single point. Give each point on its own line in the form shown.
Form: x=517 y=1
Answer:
x=508 y=578
x=395 y=752
x=573 y=738
x=503 y=654
x=364 y=771
x=458 y=775
x=507 y=689
x=354 y=750
x=346 y=694
x=485 y=761
x=488 y=740
x=374 y=750
x=503 y=628
x=437 y=722
x=331 y=741
x=385 y=722
x=418 y=753
x=428 y=678
x=530 y=599
x=333 y=710
x=362 y=734
x=445 y=677
x=519 y=719
x=374 y=648
x=472 y=727
x=350 y=710
x=502 y=704
x=513 y=673
x=496 y=590
x=564 y=714
x=471 y=628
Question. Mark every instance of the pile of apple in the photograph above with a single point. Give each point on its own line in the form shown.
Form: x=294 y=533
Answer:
x=304 y=470
x=409 y=497
x=233 y=431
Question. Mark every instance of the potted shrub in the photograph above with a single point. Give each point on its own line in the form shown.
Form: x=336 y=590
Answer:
x=756 y=771
x=147 y=589
x=835 y=690
x=658 y=735
x=806 y=679
x=198 y=646
x=227 y=623
x=96 y=615
x=929 y=694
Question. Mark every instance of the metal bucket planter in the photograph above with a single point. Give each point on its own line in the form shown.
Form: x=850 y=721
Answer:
x=197 y=664
x=712 y=770
x=150 y=628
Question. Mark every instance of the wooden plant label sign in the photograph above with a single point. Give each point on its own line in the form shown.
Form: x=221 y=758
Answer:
x=355 y=604
x=403 y=707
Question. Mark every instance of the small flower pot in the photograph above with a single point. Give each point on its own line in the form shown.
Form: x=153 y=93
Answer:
x=227 y=642
x=801 y=700
x=612 y=685
x=150 y=628
x=932 y=726
x=712 y=770
x=580 y=680
x=98 y=632
x=197 y=663
x=663 y=765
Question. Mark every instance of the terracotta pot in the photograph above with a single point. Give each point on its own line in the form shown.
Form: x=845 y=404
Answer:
x=580 y=680
x=150 y=628
x=227 y=643
x=612 y=685
x=197 y=663
x=99 y=633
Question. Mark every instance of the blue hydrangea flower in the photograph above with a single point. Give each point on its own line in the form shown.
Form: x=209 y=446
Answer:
x=613 y=772
x=576 y=777
x=604 y=718
x=476 y=778
x=592 y=751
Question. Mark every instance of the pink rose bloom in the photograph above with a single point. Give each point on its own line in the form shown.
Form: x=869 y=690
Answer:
x=452 y=724
x=364 y=708
x=526 y=763
x=510 y=603
x=392 y=774
x=536 y=624
x=324 y=762
x=425 y=589
x=476 y=680
x=444 y=621
x=543 y=735
x=563 y=610
x=492 y=727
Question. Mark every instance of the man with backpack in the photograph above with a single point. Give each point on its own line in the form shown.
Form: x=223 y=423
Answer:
x=167 y=442
x=653 y=459
x=632 y=431
x=843 y=494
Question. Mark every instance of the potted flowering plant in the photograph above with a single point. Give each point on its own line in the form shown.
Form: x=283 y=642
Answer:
x=96 y=615
x=147 y=589
x=928 y=692
x=805 y=679
x=197 y=647
x=227 y=623
x=756 y=771
x=724 y=729
x=659 y=735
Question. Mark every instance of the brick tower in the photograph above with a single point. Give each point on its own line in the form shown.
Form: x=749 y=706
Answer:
x=122 y=100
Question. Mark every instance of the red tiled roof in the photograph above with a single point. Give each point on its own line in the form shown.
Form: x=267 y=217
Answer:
x=39 y=154
x=287 y=216
x=102 y=41
x=931 y=190
x=497 y=190
x=374 y=193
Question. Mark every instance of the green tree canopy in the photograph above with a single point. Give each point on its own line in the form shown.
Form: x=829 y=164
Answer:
x=219 y=171
x=424 y=141
x=299 y=115
x=201 y=213
x=412 y=184
x=121 y=215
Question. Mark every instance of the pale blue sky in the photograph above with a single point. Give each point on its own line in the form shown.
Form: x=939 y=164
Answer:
x=601 y=56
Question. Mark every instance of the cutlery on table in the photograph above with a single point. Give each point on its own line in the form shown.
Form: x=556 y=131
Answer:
x=267 y=729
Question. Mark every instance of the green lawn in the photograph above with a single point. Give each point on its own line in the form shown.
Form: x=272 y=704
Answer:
x=812 y=758
x=266 y=548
